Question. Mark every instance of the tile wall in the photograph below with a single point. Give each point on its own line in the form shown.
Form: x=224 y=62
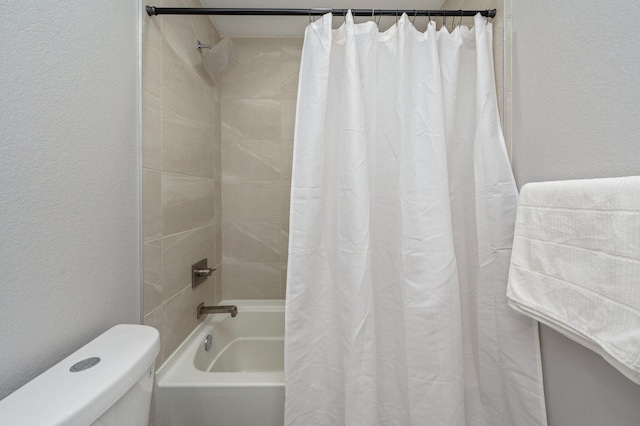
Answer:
x=181 y=172
x=258 y=105
x=217 y=164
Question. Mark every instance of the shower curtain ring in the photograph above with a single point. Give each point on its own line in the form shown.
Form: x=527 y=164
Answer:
x=376 y=20
x=429 y=14
x=396 y=16
x=415 y=13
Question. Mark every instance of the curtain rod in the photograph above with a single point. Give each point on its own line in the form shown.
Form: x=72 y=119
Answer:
x=152 y=10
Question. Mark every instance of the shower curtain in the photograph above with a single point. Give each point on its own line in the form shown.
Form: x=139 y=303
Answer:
x=402 y=214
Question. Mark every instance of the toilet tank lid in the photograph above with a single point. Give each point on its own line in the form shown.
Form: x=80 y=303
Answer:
x=61 y=397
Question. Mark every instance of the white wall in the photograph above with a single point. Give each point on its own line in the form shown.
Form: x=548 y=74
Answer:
x=576 y=114
x=69 y=256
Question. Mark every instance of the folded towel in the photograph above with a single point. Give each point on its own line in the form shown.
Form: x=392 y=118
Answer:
x=575 y=264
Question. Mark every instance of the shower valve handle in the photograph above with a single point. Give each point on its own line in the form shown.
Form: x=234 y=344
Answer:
x=206 y=272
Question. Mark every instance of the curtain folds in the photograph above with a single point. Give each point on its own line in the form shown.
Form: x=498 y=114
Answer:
x=402 y=213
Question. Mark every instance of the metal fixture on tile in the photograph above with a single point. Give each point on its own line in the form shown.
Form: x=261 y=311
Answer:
x=207 y=342
x=200 y=45
x=218 y=57
x=221 y=309
x=200 y=272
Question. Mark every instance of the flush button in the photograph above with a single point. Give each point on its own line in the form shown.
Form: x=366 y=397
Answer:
x=84 y=364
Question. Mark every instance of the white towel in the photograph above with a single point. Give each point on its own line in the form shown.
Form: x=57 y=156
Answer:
x=575 y=264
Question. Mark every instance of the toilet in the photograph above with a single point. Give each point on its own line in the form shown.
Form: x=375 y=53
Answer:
x=107 y=382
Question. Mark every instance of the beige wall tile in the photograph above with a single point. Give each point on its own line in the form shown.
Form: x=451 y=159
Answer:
x=253 y=78
x=251 y=160
x=285 y=201
x=252 y=281
x=290 y=66
x=151 y=203
x=180 y=317
x=217 y=159
x=287 y=118
x=286 y=159
x=156 y=320
x=186 y=147
x=151 y=63
x=289 y=71
x=204 y=29
x=183 y=29
x=291 y=48
x=209 y=296
x=217 y=245
x=191 y=144
x=187 y=89
x=256 y=176
x=253 y=47
x=179 y=252
x=508 y=54
x=218 y=287
x=151 y=133
x=284 y=242
x=152 y=22
x=187 y=203
x=181 y=32
x=218 y=202
x=251 y=242
x=251 y=201
x=251 y=119
x=217 y=115
x=152 y=270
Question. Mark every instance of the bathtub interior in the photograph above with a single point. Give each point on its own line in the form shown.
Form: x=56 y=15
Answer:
x=252 y=341
x=250 y=355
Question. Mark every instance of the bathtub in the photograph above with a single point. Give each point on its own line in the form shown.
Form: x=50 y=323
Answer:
x=239 y=381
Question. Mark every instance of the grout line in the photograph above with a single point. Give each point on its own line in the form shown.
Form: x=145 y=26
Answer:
x=199 y=228
x=184 y=175
x=191 y=121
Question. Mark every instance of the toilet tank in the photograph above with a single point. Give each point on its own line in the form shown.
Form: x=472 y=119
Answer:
x=106 y=382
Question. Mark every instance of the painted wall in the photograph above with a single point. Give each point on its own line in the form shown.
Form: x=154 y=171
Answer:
x=69 y=199
x=576 y=114
x=181 y=172
x=258 y=113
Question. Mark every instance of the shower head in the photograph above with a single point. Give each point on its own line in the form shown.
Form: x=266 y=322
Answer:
x=217 y=58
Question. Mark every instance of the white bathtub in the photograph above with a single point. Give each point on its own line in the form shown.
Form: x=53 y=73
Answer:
x=239 y=381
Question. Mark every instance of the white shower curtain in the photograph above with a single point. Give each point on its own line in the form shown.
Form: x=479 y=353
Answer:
x=402 y=214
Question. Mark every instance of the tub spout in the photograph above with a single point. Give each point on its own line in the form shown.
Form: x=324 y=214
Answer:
x=223 y=309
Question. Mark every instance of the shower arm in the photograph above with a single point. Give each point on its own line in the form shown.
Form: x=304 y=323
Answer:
x=153 y=10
